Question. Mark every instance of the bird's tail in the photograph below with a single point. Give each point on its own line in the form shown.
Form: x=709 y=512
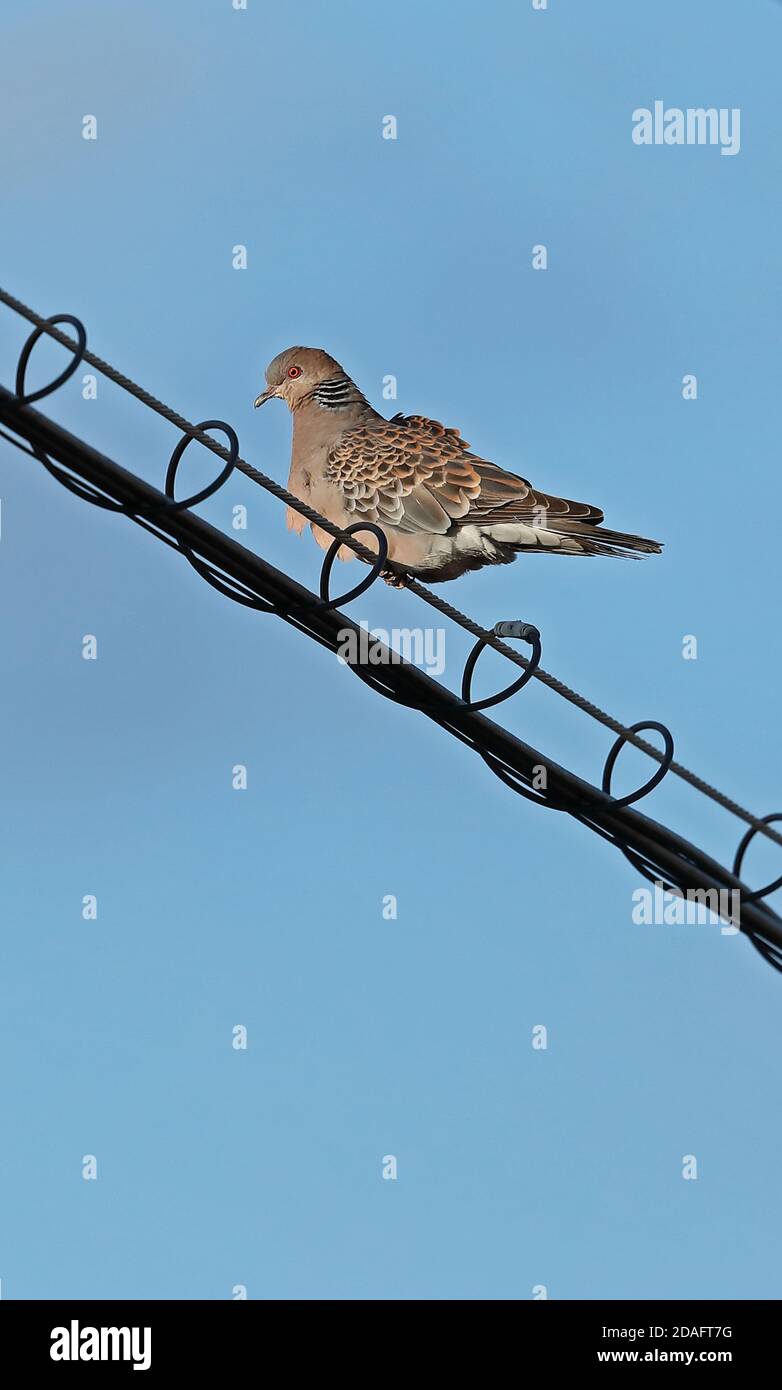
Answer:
x=599 y=540
x=565 y=536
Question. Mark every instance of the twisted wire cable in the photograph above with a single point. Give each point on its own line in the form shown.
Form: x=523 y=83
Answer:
x=656 y=852
x=488 y=638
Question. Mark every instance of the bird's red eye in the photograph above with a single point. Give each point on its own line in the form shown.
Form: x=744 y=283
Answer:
x=294 y=372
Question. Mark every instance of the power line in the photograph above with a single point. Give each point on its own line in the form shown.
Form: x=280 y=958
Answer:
x=490 y=639
x=655 y=851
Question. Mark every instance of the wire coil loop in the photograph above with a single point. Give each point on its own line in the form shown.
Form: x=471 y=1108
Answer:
x=528 y=634
x=213 y=487
x=65 y=375
x=326 y=601
x=746 y=840
x=656 y=777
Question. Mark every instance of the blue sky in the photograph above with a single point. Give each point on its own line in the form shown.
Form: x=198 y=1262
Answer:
x=366 y=1037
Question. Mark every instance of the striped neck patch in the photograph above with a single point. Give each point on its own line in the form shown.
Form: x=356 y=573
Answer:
x=336 y=393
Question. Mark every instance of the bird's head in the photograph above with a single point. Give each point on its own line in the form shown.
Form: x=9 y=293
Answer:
x=294 y=374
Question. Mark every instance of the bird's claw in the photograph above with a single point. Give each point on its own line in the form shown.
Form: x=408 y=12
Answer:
x=394 y=579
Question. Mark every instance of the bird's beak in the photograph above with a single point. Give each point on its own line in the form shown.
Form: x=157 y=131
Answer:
x=265 y=396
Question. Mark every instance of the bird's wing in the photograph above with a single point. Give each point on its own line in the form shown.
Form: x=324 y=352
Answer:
x=418 y=476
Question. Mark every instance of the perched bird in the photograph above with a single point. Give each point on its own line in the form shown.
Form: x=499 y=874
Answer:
x=443 y=509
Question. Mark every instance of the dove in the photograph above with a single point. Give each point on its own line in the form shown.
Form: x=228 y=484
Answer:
x=443 y=509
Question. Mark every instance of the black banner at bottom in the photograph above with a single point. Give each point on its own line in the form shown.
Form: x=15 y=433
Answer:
x=171 y=1338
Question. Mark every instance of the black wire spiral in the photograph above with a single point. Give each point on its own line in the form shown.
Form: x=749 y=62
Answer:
x=233 y=589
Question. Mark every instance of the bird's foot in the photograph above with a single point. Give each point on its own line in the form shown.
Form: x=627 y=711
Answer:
x=395 y=580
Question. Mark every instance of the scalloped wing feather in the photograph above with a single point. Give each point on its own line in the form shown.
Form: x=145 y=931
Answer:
x=419 y=476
